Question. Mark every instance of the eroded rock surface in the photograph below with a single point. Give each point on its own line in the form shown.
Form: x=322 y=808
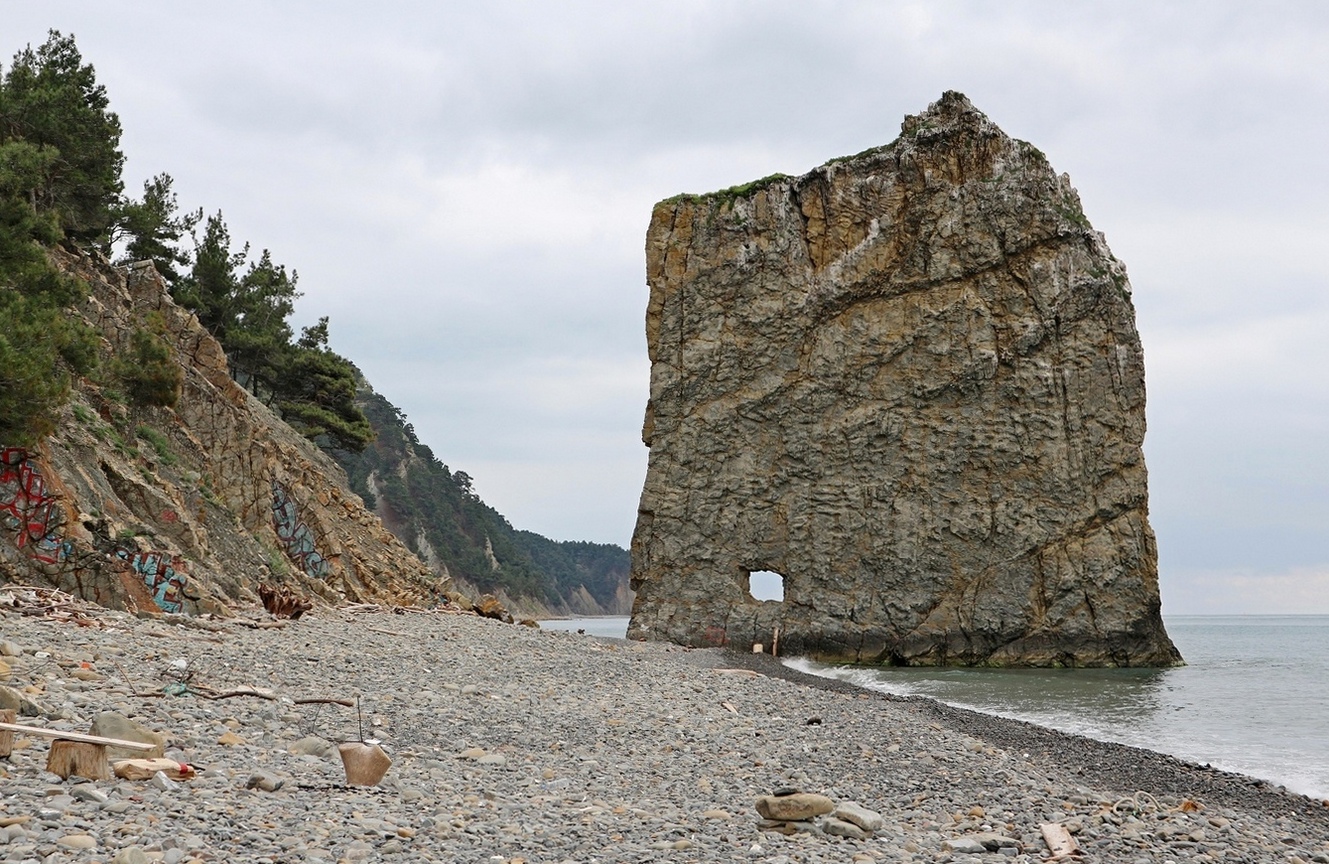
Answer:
x=910 y=382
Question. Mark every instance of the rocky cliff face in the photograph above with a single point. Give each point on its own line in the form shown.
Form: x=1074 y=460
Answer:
x=186 y=510
x=910 y=382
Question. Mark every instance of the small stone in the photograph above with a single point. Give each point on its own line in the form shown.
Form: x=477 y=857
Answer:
x=840 y=828
x=992 y=841
x=77 y=841
x=796 y=807
x=230 y=739
x=470 y=690
x=264 y=781
x=312 y=745
x=10 y=649
x=852 y=811
x=492 y=759
x=683 y=844
x=963 y=846
x=716 y=814
x=472 y=753
x=130 y=855
x=5 y=671
x=88 y=792
x=781 y=827
x=162 y=782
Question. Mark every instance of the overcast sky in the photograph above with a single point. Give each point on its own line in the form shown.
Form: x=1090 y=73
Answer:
x=464 y=189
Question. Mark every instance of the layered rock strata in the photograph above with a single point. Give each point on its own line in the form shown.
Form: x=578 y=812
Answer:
x=186 y=509
x=910 y=382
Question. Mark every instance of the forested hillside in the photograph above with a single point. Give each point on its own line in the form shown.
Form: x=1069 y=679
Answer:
x=64 y=217
x=435 y=511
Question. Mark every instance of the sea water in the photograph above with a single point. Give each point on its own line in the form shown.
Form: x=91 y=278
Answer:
x=1253 y=697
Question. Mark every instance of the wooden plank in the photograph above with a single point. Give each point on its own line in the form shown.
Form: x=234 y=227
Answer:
x=76 y=736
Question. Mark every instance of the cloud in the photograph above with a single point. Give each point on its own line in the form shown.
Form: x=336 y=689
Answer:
x=1302 y=591
x=465 y=188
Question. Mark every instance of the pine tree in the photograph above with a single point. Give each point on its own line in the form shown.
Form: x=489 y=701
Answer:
x=51 y=99
x=153 y=228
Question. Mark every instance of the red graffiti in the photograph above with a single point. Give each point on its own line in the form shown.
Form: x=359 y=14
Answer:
x=26 y=510
x=170 y=516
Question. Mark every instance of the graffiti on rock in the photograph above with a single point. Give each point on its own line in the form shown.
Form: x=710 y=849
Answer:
x=163 y=574
x=28 y=511
x=295 y=536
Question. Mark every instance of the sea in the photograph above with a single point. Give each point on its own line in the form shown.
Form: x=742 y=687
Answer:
x=1253 y=697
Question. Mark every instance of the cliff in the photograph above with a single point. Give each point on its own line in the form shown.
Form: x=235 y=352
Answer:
x=909 y=382
x=438 y=515
x=186 y=509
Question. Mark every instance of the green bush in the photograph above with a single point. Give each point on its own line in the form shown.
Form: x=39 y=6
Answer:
x=150 y=373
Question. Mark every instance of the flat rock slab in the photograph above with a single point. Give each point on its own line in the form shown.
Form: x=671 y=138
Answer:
x=793 y=808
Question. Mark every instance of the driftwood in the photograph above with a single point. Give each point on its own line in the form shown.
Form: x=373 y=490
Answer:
x=365 y=763
x=325 y=700
x=79 y=737
x=260 y=692
x=282 y=602
x=1060 y=842
x=49 y=603
x=143 y=769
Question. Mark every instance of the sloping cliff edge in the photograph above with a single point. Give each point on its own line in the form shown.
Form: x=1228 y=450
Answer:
x=186 y=509
x=440 y=518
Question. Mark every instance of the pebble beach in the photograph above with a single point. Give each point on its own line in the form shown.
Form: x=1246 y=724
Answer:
x=510 y=744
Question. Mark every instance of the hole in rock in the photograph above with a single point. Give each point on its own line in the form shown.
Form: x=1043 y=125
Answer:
x=766 y=585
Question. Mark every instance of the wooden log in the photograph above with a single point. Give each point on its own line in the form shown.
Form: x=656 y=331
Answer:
x=76 y=736
x=7 y=715
x=144 y=769
x=79 y=759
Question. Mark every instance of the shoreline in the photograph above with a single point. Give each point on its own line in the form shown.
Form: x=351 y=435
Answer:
x=512 y=744
x=1148 y=770
x=1270 y=776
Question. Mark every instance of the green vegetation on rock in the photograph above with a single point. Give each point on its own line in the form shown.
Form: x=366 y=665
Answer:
x=59 y=176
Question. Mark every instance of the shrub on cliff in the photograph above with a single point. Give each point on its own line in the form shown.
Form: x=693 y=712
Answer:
x=150 y=373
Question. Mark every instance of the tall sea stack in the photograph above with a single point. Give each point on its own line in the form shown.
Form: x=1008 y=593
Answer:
x=909 y=382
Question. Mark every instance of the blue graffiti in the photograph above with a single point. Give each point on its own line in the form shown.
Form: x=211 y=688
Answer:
x=162 y=573
x=295 y=536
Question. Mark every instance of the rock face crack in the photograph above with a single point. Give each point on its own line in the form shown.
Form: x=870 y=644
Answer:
x=912 y=378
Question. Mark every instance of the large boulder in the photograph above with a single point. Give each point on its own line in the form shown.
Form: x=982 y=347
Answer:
x=909 y=382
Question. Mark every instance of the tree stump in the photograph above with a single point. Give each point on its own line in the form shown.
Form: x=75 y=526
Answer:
x=77 y=758
x=7 y=715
